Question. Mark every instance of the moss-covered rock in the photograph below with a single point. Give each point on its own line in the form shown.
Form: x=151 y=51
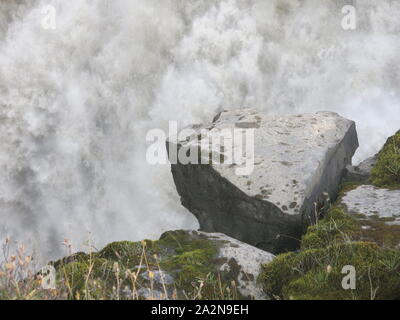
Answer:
x=181 y=264
x=377 y=273
x=386 y=172
x=125 y=251
x=192 y=259
x=339 y=239
x=92 y=278
x=317 y=273
x=380 y=231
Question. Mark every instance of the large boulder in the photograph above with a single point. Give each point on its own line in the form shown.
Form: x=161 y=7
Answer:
x=298 y=164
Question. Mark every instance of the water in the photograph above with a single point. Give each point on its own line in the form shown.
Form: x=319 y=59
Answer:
x=77 y=101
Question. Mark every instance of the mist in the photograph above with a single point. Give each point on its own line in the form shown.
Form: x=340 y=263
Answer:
x=77 y=101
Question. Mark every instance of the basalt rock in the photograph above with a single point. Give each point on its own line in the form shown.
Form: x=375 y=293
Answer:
x=299 y=161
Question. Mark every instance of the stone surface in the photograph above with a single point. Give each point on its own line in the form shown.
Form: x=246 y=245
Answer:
x=245 y=258
x=298 y=161
x=374 y=202
x=234 y=260
x=377 y=213
x=360 y=173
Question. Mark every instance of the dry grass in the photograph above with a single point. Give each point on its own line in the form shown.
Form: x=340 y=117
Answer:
x=21 y=279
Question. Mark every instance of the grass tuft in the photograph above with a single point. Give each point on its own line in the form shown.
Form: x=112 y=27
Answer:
x=386 y=172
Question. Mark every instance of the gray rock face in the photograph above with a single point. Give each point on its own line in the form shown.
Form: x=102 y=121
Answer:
x=247 y=261
x=360 y=173
x=374 y=202
x=298 y=162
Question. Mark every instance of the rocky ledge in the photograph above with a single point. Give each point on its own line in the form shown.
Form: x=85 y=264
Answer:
x=180 y=265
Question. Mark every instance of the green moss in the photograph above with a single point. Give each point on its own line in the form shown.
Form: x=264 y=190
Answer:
x=90 y=278
x=127 y=253
x=277 y=274
x=380 y=231
x=316 y=273
x=386 y=172
x=339 y=239
x=76 y=257
x=334 y=228
x=188 y=258
x=193 y=258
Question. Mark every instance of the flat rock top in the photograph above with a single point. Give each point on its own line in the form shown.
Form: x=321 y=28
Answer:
x=371 y=201
x=250 y=258
x=290 y=153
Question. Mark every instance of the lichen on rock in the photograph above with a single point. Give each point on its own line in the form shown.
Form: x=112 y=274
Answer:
x=377 y=212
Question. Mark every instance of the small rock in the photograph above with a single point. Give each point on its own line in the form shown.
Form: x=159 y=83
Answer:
x=360 y=173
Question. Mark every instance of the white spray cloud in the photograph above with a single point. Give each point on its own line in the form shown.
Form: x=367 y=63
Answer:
x=76 y=102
